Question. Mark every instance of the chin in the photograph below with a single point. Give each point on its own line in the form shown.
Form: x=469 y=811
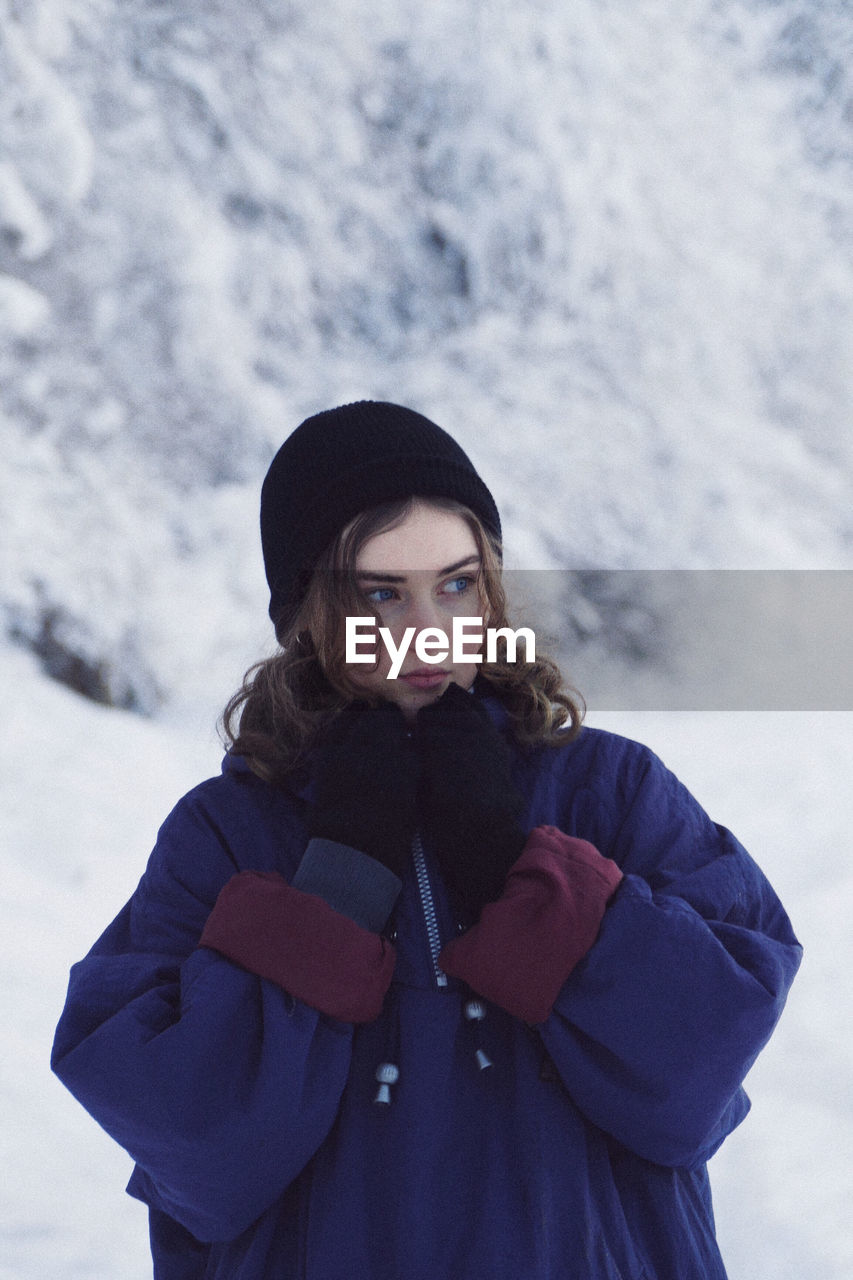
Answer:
x=411 y=700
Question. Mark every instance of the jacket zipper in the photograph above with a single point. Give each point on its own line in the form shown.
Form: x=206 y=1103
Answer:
x=428 y=904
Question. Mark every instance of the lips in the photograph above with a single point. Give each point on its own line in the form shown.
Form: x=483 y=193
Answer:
x=425 y=677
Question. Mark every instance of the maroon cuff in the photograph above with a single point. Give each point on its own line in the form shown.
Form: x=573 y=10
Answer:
x=526 y=944
x=296 y=940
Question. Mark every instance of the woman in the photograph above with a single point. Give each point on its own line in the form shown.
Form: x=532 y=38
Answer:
x=431 y=982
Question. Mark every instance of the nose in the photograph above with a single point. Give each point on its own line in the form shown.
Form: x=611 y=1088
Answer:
x=424 y=611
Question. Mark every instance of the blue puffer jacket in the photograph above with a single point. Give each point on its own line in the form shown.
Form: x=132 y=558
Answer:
x=579 y=1155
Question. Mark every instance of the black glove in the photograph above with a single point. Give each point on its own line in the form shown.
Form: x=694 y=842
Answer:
x=468 y=806
x=367 y=783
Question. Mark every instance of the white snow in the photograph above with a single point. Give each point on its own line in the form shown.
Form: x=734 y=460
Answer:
x=610 y=247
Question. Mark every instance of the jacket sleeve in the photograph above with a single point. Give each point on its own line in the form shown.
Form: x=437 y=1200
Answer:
x=219 y=1082
x=655 y=1029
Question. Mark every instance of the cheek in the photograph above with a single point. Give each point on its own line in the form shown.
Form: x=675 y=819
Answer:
x=465 y=676
x=486 y=615
x=367 y=675
x=370 y=678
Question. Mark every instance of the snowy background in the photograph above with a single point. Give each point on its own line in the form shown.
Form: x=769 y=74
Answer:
x=608 y=245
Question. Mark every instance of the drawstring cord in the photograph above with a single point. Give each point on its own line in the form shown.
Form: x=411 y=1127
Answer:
x=387 y=1072
x=475 y=1011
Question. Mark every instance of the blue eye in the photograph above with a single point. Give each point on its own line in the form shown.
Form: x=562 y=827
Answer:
x=381 y=595
x=456 y=586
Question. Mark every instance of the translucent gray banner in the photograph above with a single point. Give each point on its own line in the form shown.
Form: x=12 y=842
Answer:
x=745 y=640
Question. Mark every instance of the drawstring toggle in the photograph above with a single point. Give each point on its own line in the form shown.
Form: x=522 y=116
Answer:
x=475 y=1012
x=386 y=1074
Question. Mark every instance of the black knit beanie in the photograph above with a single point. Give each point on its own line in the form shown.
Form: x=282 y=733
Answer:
x=342 y=461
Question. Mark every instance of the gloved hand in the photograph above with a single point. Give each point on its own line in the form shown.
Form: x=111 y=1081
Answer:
x=367 y=783
x=467 y=804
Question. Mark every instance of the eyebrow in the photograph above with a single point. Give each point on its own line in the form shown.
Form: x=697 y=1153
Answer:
x=368 y=575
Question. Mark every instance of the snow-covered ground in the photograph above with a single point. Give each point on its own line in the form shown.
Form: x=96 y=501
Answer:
x=82 y=792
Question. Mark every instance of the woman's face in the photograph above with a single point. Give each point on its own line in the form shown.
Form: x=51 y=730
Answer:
x=421 y=574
